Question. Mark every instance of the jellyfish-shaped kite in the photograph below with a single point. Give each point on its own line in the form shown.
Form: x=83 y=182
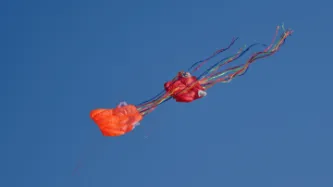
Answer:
x=184 y=80
x=184 y=88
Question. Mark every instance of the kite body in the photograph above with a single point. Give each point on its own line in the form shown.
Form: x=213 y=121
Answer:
x=117 y=121
x=186 y=88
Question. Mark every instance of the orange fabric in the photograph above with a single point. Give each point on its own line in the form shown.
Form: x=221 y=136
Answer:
x=116 y=121
x=183 y=83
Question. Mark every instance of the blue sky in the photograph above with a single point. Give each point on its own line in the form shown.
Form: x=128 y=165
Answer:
x=61 y=59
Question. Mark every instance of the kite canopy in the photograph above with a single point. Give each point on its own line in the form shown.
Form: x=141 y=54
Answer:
x=116 y=121
x=184 y=89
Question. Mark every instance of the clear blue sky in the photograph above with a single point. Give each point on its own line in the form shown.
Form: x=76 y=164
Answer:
x=61 y=59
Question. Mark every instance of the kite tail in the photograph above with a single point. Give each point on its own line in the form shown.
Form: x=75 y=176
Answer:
x=152 y=105
x=210 y=72
x=228 y=74
x=155 y=98
x=196 y=66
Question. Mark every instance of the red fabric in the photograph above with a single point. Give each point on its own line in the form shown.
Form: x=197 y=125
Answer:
x=117 y=121
x=182 y=83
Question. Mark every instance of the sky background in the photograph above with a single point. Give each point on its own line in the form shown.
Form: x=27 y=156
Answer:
x=60 y=59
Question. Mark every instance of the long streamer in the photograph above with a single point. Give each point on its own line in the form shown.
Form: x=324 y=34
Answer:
x=230 y=73
x=196 y=66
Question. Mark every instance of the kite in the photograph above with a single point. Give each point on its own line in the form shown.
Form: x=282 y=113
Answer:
x=184 y=80
x=117 y=121
x=183 y=88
